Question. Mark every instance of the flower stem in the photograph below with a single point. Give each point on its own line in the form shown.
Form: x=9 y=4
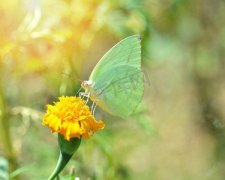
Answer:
x=62 y=161
x=67 y=149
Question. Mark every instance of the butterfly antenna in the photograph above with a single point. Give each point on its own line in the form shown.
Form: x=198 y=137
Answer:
x=65 y=74
x=79 y=80
x=69 y=75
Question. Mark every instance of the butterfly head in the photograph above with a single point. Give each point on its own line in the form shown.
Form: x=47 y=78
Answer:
x=87 y=84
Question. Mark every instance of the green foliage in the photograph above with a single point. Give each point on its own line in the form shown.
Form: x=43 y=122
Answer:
x=3 y=169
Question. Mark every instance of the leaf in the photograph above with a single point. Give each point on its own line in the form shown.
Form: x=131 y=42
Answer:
x=20 y=171
x=3 y=169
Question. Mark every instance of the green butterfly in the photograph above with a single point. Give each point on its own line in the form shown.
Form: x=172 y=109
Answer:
x=116 y=83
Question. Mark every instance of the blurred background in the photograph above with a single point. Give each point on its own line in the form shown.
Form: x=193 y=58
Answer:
x=47 y=47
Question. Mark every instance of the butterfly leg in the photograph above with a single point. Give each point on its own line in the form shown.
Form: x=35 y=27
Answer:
x=87 y=95
x=83 y=95
x=93 y=107
x=87 y=99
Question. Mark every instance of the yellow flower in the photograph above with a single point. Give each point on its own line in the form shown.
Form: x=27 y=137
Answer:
x=71 y=118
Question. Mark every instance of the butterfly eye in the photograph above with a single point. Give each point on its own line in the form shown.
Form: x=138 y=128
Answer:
x=83 y=84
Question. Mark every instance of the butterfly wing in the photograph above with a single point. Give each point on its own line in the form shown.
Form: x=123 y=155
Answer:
x=126 y=52
x=118 y=79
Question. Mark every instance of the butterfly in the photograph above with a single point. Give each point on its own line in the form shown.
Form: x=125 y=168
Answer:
x=116 y=83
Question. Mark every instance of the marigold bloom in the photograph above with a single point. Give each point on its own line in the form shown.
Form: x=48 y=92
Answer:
x=71 y=118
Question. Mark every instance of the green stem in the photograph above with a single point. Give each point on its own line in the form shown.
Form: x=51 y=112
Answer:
x=62 y=161
x=5 y=133
x=67 y=149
